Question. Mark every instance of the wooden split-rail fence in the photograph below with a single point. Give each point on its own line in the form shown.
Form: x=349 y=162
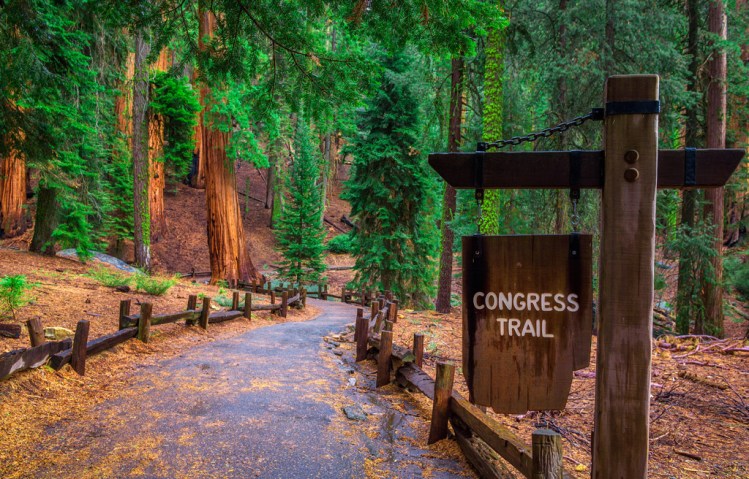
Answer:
x=318 y=291
x=482 y=439
x=75 y=351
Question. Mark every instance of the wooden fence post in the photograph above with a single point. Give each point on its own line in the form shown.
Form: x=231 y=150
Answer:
x=78 y=356
x=393 y=311
x=443 y=389
x=383 y=360
x=343 y=295
x=272 y=297
x=547 y=455
x=124 y=311
x=626 y=280
x=373 y=310
x=144 y=323
x=418 y=349
x=284 y=304
x=192 y=305
x=205 y=312
x=248 y=306
x=235 y=301
x=36 y=332
x=303 y=293
x=362 y=328
x=325 y=292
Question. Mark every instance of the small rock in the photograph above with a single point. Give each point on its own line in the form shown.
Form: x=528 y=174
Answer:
x=88 y=301
x=355 y=413
x=57 y=332
x=123 y=289
x=338 y=352
x=352 y=381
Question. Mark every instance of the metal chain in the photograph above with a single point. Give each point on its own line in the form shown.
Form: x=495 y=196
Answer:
x=595 y=114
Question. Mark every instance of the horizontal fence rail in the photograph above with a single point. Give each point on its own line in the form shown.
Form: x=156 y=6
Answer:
x=75 y=351
x=482 y=439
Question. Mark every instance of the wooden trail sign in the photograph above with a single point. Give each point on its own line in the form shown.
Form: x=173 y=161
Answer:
x=527 y=318
x=628 y=171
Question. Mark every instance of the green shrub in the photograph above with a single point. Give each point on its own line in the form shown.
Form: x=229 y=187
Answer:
x=14 y=293
x=109 y=278
x=737 y=272
x=340 y=244
x=153 y=285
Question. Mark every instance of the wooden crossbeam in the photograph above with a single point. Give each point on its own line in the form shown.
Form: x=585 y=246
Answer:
x=551 y=169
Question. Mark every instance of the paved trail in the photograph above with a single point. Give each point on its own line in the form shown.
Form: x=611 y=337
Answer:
x=263 y=404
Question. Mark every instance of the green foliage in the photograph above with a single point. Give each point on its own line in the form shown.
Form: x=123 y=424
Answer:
x=391 y=192
x=737 y=274
x=153 y=285
x=176 y=104
x=341 y=244
x=14 y=293
x=695 y=243
x=109 y=277
x=300 y=232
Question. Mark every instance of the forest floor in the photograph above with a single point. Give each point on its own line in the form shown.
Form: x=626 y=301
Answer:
x=699 y=413
x=699 y=405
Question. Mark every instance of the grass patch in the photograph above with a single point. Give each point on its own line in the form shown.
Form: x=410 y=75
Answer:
x=153 y=285
x=109 y=278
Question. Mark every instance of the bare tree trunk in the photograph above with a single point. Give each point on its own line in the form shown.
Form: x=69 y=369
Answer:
x=12 y=194
x=47 y=219
x=448 y=203
x=712 y=289
x=197 y=179
x=687 y=283
x=737 y=202
x=156 y=163
x=226 y=240
x=141 y=200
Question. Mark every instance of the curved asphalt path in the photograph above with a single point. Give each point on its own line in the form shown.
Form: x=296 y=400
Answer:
x=265 y=404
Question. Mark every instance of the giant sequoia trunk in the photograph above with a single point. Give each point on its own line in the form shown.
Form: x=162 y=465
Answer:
x=712 y=290
x=448 y=203
x=226 y=241
x=141 y=201
x=12 y=194
x=156 y=163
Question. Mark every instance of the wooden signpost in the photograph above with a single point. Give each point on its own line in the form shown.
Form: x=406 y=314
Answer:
x=628 y=171
x=527 y=318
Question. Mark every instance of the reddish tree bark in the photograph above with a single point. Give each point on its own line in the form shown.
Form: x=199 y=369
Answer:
x=226 y=240
x=198 y=177
x=712 y=291
x=444 y=292
x=12 y=194
x=157 y=176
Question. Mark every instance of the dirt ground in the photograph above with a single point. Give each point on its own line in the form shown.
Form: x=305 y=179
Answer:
x=699 y=406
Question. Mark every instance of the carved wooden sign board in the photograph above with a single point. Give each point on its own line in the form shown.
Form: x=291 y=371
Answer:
x=527 y=318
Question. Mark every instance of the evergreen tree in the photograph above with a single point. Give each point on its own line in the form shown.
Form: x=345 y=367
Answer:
x=391 y=192
x=300 y=234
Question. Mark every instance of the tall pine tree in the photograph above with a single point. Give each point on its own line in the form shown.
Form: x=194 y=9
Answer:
x=390 y=191
x=299 y=233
